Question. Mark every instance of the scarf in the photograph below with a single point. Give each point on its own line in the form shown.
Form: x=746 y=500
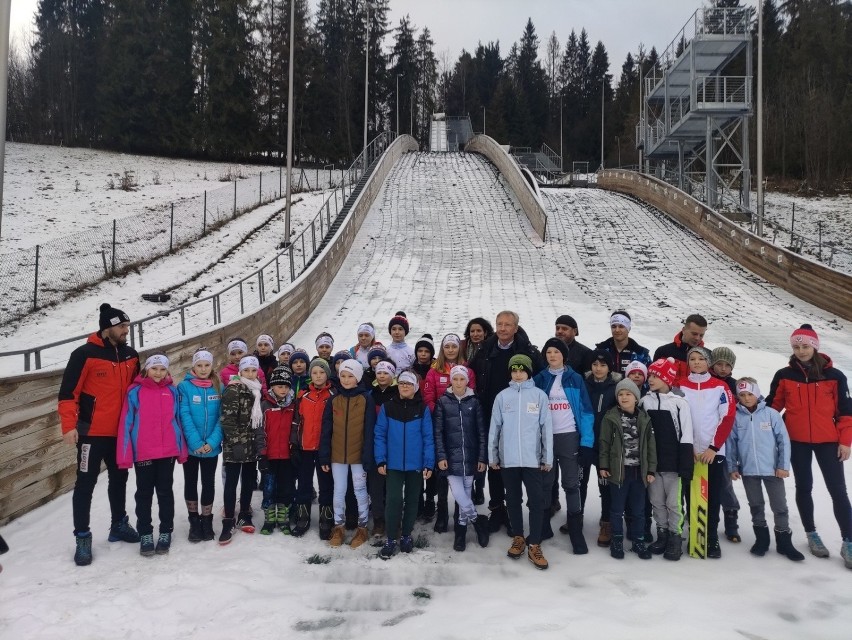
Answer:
x=202 y=383
x=256 y=412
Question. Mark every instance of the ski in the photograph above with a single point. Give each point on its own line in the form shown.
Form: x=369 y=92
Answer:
x=698 y=511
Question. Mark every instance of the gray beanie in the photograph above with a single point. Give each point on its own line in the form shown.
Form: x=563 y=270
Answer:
x=723 y=354
x=704 y=351
x=628 y=385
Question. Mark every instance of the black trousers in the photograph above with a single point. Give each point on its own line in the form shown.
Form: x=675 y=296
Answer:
x=191 y=468
x=284 y=481
x=244 y=473
x=309 y=463
x=515 y=480
x=155 y=476
x=801 y=459
x=91 y=452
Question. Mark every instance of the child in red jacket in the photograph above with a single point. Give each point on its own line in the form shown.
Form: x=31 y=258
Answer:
x=279 y=411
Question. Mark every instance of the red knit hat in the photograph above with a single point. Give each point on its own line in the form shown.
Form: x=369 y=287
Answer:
x=665 y=370
x=400 y=319
x=805 y=335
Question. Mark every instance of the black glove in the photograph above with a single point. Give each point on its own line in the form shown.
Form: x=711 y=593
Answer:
x=686 y=478
x=262 y=464
x=586 y=456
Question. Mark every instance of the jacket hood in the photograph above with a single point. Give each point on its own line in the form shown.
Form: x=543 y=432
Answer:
x=468 y=392
x=286 y=401
x=632 y=345
x=612 y=379
x=526 y=384
x=761 y=404
x=794 y=362
x=678 y=340
x=149 y=383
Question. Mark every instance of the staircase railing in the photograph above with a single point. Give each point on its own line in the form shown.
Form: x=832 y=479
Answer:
x=249 y=292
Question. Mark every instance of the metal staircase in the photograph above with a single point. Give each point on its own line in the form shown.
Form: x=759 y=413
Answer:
x=696 y=107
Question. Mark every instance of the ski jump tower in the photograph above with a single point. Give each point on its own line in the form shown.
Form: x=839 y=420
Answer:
x=693 y=129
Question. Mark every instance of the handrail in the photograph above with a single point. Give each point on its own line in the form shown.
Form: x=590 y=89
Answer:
x=316 y=231
x=723 y=90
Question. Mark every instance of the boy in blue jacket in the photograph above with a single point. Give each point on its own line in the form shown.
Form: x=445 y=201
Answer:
x=520 y=446
x=758 y=451
x=405 y=453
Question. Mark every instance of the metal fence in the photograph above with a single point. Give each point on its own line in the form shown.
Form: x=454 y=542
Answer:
x=250 y=292
x=53 y=271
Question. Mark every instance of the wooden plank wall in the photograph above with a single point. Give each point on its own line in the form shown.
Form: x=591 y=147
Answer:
x=807 y=279
x=36 y=465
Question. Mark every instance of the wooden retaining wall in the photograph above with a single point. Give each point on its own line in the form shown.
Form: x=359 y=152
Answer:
x=36 y=465
x=807 y=279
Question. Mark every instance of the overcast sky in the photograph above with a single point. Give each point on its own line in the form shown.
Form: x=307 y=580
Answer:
x=458 y=24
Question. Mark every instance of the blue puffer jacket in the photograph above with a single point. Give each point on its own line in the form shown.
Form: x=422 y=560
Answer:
x=521 y=432
x=460 y=434
x=578 y=399
x=758 y=444
x=200 y=416
x=403 y=437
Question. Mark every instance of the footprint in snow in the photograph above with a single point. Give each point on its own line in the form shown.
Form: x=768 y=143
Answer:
x=405 y=615
x=319 y=625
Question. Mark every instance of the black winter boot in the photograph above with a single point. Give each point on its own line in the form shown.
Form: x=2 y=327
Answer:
x=546 y=529
x=662 y=542
x=640 y=548
x=228 y=525
x=732 y=532
x=460 y=542
x=326 y=522
x=480 y=525
x=714 y=551
x=761 y=541
x=207 y=533
x=616 y=546
x=674 y=548
x=442 y=517
x=303 y=520
x=575 y=532
x=784 y=545
x=195 y=533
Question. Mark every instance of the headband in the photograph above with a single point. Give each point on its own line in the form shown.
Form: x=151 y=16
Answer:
x=451 y=338
x=367 y=328
x=237 y=345
x=249 y=361
x=155 y=360
x=618 y=318
x=460 y=370
x=325 y=341
x=263 y=338
x=750 y=387
x=410 y=378
x=385 y=367
x=286 y=348
x=202 y=356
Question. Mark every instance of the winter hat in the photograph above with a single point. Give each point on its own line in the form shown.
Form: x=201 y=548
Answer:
x=621 y=317
x=568 y=321
x=557 y=344
x=399 y=318
x=354 y=367
x=603 y=356
x=451 y=338
x=366 y=327
x=377 y=351
x=249 y=361
x=460 y=370
x=425 y=341
x=202 y=356
x=340 y=355
x=524 y=361
x=264 y=339
x=636 y=366
x=749 y=385
x=324 y=340
x=410 y=377
x=285 y=348
x=385 y=366
x=110 y=317
x=281 y=375
x=805 y=335
x=300 y=354
x=157 y=359
x=704 y=351
x=237 y=345
x=665 y=370
x=322 y=364
x=628 y=385
x=723 y=354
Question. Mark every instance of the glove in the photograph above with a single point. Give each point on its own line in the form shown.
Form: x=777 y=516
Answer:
x=686 y=478
x=586 y=456
x=262 y=464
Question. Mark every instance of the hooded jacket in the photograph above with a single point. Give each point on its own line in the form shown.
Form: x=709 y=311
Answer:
x=671 y=419
x=758 y=444
x=602 y=397
x=460 y=434
x=150 y=427
x=402 y=354
x=521 y=431
x=437 y=382
x=403 y=436
x=578 y=399
x=712 y=407
x=633 y=351
x=348 y=423
x=611 y=453
x=278 y=416
x=676 y=349
x=231 y=370
x=241 y=442
x=200 y=415
x=311 y=408
x=814 y=410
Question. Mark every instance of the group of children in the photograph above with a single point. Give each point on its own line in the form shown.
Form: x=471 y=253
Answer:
x=374 y=423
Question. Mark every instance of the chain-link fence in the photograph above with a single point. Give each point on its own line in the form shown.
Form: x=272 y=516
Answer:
x=51 y=272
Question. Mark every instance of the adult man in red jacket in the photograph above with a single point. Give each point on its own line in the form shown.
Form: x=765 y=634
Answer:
x=692 y=335
x=91 y=395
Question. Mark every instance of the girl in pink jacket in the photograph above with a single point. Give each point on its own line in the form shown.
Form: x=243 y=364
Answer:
x=150 y=439
x=438 y=378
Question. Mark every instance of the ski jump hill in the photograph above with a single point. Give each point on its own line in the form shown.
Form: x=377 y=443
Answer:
x=450 y=236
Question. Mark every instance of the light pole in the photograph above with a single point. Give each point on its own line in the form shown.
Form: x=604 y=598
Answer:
x=602 y=121
x=561 y=160
x=5 y=10
x=367 y=75
x=290 y=125
x=398 y=76
x=759 y=225
x=618 y=146
x=483 y=120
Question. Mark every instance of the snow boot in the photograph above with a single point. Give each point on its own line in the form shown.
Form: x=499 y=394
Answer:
x=519 y=543
x=244 y=522
x=845 y=553
x=389 y=550
x=326 y=522
x=195 y=532
x=283 y=519
x=361 y=536
x=761 y=541
x=575 y=531
x=816 y=546
x=732 y=533
x=164 y=543
x=537 y=557
x=674 y=548
x=640 y=548
x=442 y=517
x=338 y=534
x=784 y=545
x=460 y=543
x=497 y=519
x=378 y=527
x=605 y=534
x=480 y=525
x=616 y=547
x=406 y=544
x=83 y=552
x=428 y=511
x=662 y=542
x=122 y=531
x=228 y=526
x=303 y=520
x=270 y=520
x=714 y=551
x=146 y=545
x=546 y=529
x=206 y=523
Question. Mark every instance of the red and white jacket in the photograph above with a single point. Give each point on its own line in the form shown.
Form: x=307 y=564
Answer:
x=713 y=411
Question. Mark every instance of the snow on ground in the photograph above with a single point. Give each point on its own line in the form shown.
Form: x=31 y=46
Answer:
x=445 y=241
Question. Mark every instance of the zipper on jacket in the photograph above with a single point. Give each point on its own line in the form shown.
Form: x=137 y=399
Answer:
x=753 y=443
x=461 y=423
x=404 y=439
x=346 y=434
x=520 y=451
